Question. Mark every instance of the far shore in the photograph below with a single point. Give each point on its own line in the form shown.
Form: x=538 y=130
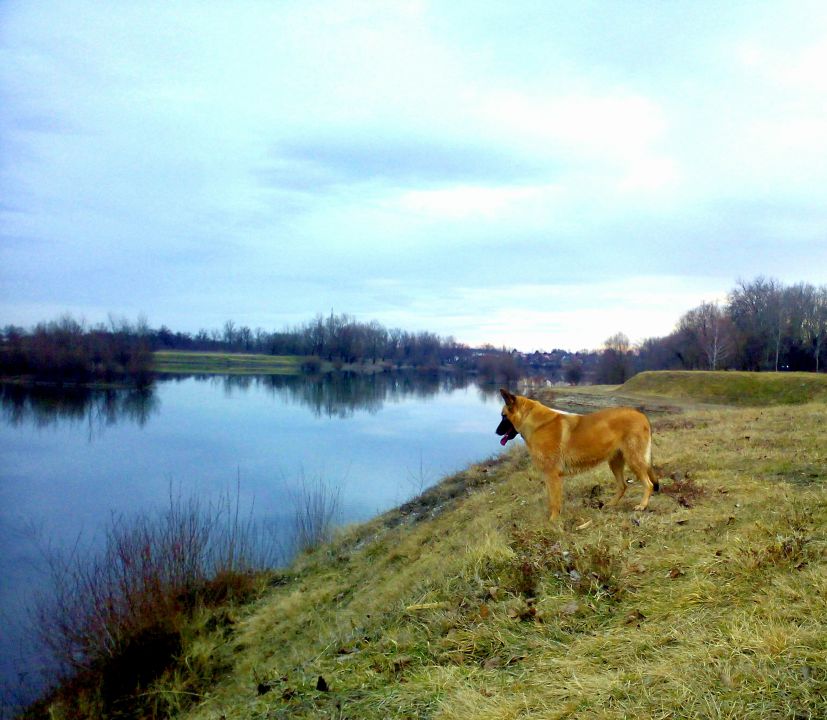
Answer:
x=231 y=363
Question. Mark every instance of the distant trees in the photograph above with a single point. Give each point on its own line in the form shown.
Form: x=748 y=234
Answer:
x=763 y=325
x=615 y=364
x=708 y=336
x=573 y=371
x=500 y=366
x=65 y=350
x=338 y=339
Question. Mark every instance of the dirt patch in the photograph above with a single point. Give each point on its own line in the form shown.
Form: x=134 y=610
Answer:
x=587 y=403
x=675 y=422
x=435 y=499
x=680 y=486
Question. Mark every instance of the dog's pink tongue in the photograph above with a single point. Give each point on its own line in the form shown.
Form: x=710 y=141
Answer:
x=504 y=440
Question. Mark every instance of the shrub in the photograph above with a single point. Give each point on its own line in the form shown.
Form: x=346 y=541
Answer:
x=114 y=622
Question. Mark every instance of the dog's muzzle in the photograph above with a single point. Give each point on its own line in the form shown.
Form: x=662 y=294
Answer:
x=506 y=430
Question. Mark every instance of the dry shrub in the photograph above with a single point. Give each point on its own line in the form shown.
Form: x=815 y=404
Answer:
x=316 y=507
x=791 y=542
x=115 y=622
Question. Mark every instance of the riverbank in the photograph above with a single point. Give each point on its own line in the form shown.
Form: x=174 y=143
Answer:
x=466 y=603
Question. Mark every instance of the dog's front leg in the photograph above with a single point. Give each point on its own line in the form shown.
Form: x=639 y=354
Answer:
x=554 y=490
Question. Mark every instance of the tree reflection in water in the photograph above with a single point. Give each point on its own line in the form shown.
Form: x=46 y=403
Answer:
x=45 y=405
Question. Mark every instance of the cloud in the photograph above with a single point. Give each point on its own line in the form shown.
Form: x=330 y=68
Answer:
x=320 y=161
x=411 y=162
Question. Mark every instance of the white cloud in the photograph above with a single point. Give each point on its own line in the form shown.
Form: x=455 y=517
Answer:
x=461 y=201
x=152 y=151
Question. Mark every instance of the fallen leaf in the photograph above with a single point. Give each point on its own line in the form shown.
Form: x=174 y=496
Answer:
x=492 y=663
x=636 y=616
x=570 y=608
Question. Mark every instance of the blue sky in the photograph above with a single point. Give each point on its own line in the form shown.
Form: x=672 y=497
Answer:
x=529 y=174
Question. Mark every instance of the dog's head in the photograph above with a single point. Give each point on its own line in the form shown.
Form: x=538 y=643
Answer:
x=509 y=413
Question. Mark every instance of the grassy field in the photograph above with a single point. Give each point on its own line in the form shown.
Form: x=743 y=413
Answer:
x=735 y=388
x=467 y=603
x=180 y=361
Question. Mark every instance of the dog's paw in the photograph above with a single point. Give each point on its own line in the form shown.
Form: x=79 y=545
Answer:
x=641 y=507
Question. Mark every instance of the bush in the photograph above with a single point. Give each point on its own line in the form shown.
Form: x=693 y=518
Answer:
x=115 y=622
x=66 y=351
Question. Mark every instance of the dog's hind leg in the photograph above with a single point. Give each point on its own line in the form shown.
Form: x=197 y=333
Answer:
x=617 y=463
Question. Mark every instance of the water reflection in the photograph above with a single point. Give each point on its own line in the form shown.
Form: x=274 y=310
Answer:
x=333 y=395
x=341 y=395
x=45 y=405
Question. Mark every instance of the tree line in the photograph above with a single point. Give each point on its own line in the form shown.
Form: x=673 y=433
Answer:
x=66 y=351
x=342 y=340
x=763 y=325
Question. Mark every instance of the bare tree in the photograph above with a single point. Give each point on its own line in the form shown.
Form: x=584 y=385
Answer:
x=710 y=328
x=614 y=367
x=756 y=310
x=814 y=321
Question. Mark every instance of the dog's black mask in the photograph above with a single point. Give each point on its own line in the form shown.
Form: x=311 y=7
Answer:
x=507 y=430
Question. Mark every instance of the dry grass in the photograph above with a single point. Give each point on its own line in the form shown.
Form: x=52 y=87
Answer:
x=733 y=388
x=711 y=605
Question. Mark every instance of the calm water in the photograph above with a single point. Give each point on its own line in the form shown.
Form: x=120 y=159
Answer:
x=69 y=460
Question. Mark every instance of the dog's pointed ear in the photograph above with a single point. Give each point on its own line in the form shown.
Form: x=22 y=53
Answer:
x=508 y=397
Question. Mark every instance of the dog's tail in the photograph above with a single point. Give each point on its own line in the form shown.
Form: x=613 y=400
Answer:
x=653 y=478
x=649 y=468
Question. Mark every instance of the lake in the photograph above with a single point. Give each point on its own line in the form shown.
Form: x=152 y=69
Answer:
x=71 y=459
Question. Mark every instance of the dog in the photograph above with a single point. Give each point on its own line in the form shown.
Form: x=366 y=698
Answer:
x=562 y=443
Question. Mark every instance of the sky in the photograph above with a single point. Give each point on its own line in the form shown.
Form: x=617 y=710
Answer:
x=528 y=174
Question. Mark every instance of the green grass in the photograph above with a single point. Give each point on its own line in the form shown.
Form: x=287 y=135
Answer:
x=733 y=388
x=712 y=604
x=179 y=361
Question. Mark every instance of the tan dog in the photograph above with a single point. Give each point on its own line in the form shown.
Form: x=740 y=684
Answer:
x=563 y=443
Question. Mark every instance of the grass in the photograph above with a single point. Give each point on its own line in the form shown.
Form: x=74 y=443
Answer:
x=713 y=604
x=133 y=629
x=180 y=361
x=469 y=604
x=736 y=388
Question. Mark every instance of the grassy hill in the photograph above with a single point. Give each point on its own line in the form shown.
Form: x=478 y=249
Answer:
x=735 y=388
x=468 y=604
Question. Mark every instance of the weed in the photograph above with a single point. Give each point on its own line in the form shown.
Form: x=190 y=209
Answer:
x=316 y=505
x=116 y=622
